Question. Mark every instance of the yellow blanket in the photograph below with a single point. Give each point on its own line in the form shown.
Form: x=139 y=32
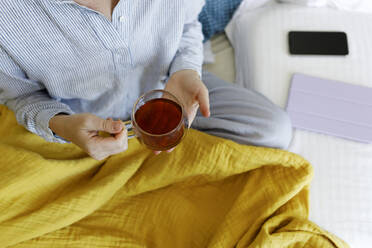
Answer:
x=209 y=192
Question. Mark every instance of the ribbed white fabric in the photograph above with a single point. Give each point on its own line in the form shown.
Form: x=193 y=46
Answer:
x=57 y=56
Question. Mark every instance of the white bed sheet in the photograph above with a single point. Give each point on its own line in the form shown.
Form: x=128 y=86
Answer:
x=341 y=191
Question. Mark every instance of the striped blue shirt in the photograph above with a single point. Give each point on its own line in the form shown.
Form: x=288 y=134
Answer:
x=60 y=57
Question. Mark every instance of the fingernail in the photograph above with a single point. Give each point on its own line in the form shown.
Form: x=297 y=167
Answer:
x=117 y=126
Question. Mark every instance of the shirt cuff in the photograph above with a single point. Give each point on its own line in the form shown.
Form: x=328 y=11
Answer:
x=180 y=64
x=42 y=125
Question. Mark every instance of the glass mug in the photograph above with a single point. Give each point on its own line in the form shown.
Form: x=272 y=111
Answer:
x=158 y=120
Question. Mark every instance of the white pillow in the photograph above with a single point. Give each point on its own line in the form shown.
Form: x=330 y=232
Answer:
x=353 y=5
x=248 y=5
x=313 y=3
x=341 y=191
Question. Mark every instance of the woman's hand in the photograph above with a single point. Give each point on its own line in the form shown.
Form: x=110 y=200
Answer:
x=82 y=130
x=191 y=91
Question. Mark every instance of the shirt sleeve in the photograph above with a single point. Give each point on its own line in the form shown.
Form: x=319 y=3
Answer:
x=28 y=99
x=190 y=51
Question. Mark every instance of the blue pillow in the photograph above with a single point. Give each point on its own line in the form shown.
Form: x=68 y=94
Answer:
x=216 y=14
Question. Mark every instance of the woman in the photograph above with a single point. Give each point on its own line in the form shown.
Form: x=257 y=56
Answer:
x=68 y=68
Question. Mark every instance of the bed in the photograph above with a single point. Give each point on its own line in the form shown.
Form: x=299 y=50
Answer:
x=341 y=191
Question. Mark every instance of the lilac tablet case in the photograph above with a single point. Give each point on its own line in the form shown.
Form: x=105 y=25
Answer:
x=331 y=107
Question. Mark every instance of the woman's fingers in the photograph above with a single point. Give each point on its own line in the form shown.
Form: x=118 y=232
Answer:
x=108 y=125
x=203 y=99
x=191 y=112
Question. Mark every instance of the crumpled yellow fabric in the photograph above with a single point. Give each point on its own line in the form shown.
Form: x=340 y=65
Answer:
x=209 y=192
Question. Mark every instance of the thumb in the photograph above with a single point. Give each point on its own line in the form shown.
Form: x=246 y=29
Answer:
x=110 y=126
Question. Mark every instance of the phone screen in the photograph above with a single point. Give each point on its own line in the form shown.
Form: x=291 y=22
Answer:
x=318 y=43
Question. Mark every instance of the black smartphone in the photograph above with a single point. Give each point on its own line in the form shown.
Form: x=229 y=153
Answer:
x=318 y=43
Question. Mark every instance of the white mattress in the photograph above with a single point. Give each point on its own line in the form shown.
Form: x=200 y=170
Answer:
x=341 y=191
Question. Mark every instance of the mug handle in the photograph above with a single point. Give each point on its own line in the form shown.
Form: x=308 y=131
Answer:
x=129 y=127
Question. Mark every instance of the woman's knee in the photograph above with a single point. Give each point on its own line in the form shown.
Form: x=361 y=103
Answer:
x=279 y=129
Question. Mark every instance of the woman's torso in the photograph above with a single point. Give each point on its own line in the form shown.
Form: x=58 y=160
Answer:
x=86 y=61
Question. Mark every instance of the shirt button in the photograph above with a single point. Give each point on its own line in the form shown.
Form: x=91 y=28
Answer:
x=121 y=18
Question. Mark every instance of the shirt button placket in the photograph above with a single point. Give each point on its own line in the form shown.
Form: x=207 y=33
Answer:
x=122 y=54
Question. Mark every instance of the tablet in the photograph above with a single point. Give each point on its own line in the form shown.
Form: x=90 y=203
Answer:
x=331 y=107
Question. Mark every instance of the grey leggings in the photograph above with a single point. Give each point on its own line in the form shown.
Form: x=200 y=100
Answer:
x=243 y=115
